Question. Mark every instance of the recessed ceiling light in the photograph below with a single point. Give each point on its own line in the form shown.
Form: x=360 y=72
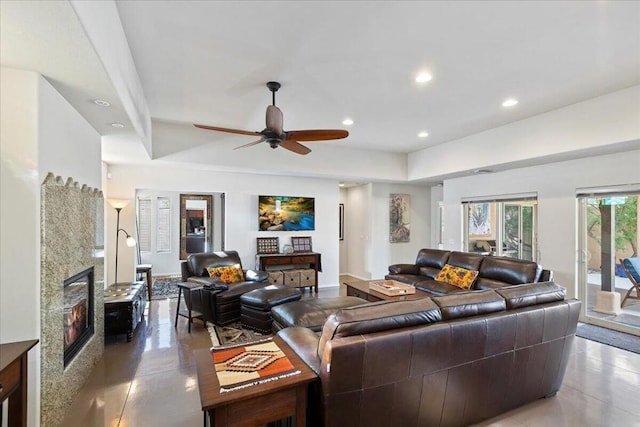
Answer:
x=510 y=102
x=481 y=171
x=101 y=103
x=423 y=134
x=423 y=77
x=341 y=184
x=117 y=125
x=347 y=122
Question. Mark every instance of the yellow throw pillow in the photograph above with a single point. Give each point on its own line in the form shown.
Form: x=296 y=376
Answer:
x=228 y=274
x=457 y=276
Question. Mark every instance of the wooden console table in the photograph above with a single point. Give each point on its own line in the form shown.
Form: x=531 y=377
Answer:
x=270 y=261
x=13 y=380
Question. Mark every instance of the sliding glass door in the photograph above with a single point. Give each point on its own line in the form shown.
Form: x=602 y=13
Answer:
x=608 y=233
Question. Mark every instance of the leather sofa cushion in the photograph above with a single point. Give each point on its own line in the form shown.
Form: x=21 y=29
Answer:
x=430 y=272
x=198 y=263
x=305 y=343
x=435 y=258
x=378 y=317
x=236 y=290
x=467 y=304
x=404 y=269
x=511 y=271
x=410 y=279
x=311 y=313
x=532 y=294
x=465 y=260
x=437 y=288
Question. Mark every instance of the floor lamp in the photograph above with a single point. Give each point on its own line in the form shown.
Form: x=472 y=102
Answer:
x=118 y=204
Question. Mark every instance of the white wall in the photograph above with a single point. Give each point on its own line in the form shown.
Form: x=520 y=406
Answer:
x=242 y=192
x=384 y=253
x=367 y=228
x=39 y=133
x=556 y=185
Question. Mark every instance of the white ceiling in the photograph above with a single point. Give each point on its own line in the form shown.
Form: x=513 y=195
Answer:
x=208 y=62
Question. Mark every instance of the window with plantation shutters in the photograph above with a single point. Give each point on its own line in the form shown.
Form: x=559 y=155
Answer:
x=144 y=225
x=163 y=228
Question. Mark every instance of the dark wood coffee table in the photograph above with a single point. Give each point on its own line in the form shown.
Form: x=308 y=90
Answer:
x=255 y=405
x=361 y=289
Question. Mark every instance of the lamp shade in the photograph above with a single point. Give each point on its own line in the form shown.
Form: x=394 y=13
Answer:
x=131 y=242
x=118 y=203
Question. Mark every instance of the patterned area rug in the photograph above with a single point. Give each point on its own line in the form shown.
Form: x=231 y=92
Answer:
x=165 y=287
x=233 y=334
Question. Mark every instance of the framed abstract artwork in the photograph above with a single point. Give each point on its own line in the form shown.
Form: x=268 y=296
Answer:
x=399 y=218
x=481 y=217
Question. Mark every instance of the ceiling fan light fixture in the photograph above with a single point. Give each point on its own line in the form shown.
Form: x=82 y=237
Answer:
x=347 y=122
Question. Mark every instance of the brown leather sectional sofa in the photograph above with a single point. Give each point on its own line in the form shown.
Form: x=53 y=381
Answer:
x=494 y=272
x=446 y=360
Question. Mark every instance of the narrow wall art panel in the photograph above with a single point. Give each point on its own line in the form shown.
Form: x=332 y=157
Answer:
x=399 y=218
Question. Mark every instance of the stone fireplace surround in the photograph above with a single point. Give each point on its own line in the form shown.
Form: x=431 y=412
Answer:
x=71 y=228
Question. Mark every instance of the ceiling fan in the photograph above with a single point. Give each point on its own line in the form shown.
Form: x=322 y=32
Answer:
x=275 y=135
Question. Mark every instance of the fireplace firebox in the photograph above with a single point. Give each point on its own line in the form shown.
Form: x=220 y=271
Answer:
x=78 y=313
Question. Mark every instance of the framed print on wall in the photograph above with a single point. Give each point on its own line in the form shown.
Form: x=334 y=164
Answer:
x=399 y=218
x=481 y=217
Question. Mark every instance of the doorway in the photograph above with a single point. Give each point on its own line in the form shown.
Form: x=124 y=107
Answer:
x=196 y=230
x=608 y=232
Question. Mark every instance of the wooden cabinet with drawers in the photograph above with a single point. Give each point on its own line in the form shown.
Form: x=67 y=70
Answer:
x=272 y=262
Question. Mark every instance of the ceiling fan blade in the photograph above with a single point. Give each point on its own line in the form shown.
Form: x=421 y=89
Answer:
x=274 y=119
x=295 y=147
x=316 y=135
x=219 y=129
x=250 y=144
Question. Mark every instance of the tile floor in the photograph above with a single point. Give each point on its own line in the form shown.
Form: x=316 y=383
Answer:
x=151 y=381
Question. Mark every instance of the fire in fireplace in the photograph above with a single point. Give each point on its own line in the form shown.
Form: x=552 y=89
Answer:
x=78 y=313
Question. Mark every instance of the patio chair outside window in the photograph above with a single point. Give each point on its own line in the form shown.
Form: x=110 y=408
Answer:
x=631 y=267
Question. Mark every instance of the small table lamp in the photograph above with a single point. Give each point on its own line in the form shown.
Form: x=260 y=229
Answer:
x=118 y=204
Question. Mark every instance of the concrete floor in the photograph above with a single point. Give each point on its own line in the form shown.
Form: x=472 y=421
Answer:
x=151 y=381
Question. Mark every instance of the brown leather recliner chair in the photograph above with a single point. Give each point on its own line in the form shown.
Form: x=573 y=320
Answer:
x=218 y=302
